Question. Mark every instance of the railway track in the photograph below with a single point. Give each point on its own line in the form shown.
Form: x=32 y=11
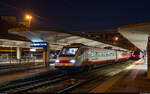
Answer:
x=61 y=83
x=19 y=70
x=78 y=80
x=67 y=84
x=26 y=86
x=88 y=85
x=10 y=86
x=83 y=82
x=65 y=90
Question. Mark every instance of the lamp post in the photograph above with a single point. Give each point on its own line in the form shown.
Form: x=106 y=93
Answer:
x=29 y=17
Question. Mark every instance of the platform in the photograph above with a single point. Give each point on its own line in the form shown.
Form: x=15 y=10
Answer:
x=131 y=80
x=23 y=74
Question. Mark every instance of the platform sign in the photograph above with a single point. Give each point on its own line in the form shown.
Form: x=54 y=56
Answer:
x=39 y=44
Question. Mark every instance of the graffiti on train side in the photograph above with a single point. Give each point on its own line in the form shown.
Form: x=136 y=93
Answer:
x=101 y=54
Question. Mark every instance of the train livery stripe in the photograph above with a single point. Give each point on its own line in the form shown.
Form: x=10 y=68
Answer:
x=91 y=62
x=96 y=62
x=64 y=61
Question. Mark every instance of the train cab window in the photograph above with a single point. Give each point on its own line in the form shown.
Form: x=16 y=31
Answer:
x=68 y=52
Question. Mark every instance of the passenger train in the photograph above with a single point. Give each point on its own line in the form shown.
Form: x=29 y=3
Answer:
x=79 y=56
x=137 y=55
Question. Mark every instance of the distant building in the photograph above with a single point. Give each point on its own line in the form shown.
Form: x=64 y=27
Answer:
x=9 y=19
x=23 y=23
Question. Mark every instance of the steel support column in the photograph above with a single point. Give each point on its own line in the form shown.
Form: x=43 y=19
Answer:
x=148 y=59
x=19 y=54
x=45 y=56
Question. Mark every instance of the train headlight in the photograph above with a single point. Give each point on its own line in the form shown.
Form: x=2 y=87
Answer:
x=72 y=61
x=57 y=61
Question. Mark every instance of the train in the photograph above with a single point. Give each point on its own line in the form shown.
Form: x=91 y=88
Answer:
x=136 y=55
x=81 y=57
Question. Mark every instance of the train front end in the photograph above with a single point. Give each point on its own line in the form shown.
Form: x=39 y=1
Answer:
x=67 y=58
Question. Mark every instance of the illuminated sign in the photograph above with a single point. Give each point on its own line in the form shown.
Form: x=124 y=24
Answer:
x=33 y=50
x=39 y=44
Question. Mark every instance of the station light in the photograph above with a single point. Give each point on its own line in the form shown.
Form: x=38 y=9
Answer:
x=116 y=38
x=28 y=17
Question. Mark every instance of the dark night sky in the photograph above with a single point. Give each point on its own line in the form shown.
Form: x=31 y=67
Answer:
x=79 y=14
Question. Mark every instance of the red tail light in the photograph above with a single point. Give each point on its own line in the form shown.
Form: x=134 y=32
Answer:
x=134 y=56
x=138 y=56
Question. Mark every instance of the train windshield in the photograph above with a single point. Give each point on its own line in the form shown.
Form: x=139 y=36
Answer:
x=68 y=52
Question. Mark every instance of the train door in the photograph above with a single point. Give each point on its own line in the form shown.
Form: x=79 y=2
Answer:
x=116 y=54
x=82 y=56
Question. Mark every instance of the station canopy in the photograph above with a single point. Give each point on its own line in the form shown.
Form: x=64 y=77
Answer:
x=57 y=39
x=137 y=34
x=14 y=43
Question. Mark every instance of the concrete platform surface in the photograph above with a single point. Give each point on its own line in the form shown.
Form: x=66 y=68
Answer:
x=131 y=80
x=23 y=74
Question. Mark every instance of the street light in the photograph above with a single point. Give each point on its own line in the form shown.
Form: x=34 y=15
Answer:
x=29 y=17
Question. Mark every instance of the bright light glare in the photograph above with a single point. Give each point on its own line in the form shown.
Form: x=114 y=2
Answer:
x=28 y=17
x=116 y=38
x=33 y=50
x=72 y=61
x=52 y=64
x=57 y=61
